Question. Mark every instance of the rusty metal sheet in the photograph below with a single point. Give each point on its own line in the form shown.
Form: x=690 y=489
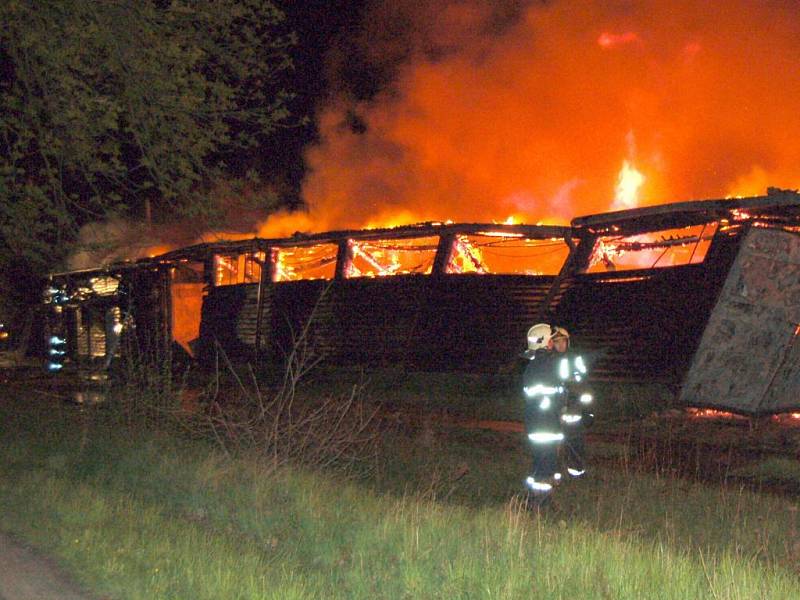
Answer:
x=748 y=359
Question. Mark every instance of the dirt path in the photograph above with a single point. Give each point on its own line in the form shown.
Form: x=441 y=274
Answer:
x=27 y=575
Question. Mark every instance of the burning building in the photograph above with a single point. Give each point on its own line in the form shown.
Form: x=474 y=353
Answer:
x=703 y=294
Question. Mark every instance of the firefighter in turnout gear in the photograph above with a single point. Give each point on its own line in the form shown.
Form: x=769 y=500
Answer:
x=577 y=413
x=555 y=411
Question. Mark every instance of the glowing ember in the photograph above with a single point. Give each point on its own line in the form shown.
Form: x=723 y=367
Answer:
x=710 y=413
x=789 y=419
x=501 y=234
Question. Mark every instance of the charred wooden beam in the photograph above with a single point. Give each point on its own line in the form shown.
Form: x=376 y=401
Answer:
x=683 y=214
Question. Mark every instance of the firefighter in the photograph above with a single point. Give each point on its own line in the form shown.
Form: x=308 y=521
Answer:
x=557 y=408
x=543 y=397
x=576 y=413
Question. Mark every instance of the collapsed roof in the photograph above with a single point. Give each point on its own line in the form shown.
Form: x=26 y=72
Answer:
x=663 y=293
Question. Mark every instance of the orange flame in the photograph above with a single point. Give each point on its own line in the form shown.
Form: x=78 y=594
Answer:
x=629 y=181
x=532 y=118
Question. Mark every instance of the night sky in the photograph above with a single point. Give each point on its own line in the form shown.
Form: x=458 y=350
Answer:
x=323 y=28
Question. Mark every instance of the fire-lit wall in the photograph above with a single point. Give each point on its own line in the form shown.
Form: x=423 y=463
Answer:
x=472 y=319
x=636 y=289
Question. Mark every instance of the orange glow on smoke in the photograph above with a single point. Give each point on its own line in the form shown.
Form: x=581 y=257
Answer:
x=609 y=40
x=153 y=251
x=535 y=117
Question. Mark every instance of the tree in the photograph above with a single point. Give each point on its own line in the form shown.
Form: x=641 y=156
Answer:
x=108 y=106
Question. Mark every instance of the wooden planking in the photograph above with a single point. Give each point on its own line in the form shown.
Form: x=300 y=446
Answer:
x=227 y=319
x=447 y=323
x=635 y=324
x=477 y=322
x=640 y=324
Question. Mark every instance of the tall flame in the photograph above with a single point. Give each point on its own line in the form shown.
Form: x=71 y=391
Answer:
x=626 y=193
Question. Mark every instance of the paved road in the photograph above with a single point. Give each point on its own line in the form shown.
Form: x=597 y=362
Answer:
x=27 y=575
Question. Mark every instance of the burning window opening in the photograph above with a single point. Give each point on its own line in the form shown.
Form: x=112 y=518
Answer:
x=381 y=258
x=238 y=268
x=506 y=254
x=294 y=263
x=253 y=263
x=105 y=285
x=226 y=270
x=652 y=250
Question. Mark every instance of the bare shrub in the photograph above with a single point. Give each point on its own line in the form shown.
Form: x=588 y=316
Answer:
x=148 y=391
x=146 y=384
x=280 y=426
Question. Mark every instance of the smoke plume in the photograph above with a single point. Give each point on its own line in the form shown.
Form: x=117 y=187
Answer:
x=536 y=110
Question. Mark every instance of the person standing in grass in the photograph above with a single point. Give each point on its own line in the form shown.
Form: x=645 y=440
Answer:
x=556 y=408
x=576 y=413
x=543 y=403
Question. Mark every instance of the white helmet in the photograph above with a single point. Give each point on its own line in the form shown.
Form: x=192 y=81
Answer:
x=538 y=336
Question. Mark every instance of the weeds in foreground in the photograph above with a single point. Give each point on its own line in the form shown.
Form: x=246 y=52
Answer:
x=247 y=415
x=153 y=518
x=279 y=427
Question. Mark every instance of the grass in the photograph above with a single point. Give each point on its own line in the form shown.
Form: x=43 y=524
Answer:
x=146 y=516
x=772 y=469
x=482 y=396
